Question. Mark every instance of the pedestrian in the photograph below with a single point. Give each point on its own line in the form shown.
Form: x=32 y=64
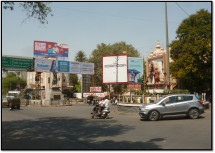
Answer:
x=196 y=94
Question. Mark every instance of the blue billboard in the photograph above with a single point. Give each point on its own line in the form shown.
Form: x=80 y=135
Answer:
x=135 y=70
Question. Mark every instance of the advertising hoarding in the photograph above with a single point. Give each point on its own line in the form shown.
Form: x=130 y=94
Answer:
x=135 y=69
x=75 y=67
x=48 y=65
x=85 y=95
x=63 y=66
x=87 y=68
x=131 y=87
x=44 y=48
x=45 y=65
x=95 y=89
x=115 y=69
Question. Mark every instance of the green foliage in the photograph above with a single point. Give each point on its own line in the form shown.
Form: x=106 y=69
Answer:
x=12 y=82
x=192 y=53
x=78 y=87
x=110 y=49
x=37 y=10
x=73 y=79
x=80 y=57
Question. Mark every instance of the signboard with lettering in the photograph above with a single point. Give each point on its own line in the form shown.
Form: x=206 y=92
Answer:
x=16 y=63
x=95 y=89
x=131 y=87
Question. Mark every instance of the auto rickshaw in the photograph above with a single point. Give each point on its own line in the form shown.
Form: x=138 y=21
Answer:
x=14 y=103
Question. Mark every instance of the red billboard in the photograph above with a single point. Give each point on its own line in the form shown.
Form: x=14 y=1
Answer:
x=44 y=48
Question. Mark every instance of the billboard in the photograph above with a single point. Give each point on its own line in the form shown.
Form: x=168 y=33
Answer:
x=131 y=87
x=135 y=70
x=48 y=65
x=44 y=48
x=63 y=66
x=87 y=68
x=115 y=69
x=45 y=65
x=96 y=89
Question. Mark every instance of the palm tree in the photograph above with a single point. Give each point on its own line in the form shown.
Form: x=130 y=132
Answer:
x=80 y=57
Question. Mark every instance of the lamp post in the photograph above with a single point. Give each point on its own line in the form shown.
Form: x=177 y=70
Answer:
x=167 y=48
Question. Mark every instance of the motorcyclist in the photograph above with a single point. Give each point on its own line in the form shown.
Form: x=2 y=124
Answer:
x=106 y=102
x=101 y=105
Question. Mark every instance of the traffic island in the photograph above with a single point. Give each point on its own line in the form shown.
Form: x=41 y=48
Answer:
x=128 y=107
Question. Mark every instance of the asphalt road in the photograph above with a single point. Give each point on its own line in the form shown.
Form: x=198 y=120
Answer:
x=70 y=127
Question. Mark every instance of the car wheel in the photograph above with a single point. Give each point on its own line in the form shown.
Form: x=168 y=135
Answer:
x=153 y=115
x=193 y=113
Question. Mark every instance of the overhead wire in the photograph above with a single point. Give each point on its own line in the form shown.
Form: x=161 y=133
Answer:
x=182 y=9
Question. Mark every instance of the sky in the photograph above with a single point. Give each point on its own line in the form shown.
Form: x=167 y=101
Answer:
x=84 y=25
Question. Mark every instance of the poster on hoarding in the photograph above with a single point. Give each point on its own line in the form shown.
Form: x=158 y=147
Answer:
x=63 y=66
x=115 y=69
x=44 y=48
x=87 y=68
x=75 y=67
x=48 y=65
x=131 y=87
x=45 y=65
x=95 y=89
x=135 y=70
x=85 y=95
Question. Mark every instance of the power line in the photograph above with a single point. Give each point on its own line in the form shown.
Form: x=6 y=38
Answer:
x=182 y=9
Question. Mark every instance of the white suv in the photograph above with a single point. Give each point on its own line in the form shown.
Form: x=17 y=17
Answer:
x=187 y=104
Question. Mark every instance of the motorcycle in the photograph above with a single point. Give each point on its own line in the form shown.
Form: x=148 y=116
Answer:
x=104 y=113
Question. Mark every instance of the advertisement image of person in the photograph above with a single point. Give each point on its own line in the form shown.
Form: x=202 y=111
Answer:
x=55 y=48
x=132 y=76
x=53 y=66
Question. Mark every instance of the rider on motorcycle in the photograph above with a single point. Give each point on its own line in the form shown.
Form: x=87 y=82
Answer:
x=101 y=105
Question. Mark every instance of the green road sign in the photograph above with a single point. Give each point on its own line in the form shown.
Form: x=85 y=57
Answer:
x=16 y=63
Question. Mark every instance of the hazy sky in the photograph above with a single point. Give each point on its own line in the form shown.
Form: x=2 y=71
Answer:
x=84 y=25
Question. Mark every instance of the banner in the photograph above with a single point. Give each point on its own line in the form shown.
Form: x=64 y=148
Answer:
x=48 y=65
x=63 y=66
x=45 y=65
x=131 y=87
x=75 y=67
x=87 y=68
x=115 y=69
x=43 y=48
x=135 y=70
x=85 y=95
x=95 y=89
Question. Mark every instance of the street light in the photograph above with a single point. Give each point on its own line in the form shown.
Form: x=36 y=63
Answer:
x=167 y=49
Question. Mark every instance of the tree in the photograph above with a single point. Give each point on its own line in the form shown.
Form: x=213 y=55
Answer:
x=37 y=10
x=110 y=49
x=80 y=57
x=12 y=82
x=192 y=53
x=73 y=80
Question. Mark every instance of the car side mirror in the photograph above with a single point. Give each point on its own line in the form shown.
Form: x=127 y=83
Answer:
x=163 y=103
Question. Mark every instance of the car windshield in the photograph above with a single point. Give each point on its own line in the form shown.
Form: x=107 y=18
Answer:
x=160 y=99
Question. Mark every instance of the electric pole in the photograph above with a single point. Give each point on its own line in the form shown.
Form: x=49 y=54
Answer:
x=167 y=49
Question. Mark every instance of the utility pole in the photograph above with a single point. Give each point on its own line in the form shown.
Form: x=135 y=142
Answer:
x=167 y=49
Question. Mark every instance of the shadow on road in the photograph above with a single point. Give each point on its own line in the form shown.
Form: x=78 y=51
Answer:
x=68 y=133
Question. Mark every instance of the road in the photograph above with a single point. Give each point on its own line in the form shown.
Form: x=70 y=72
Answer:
x=70 y=127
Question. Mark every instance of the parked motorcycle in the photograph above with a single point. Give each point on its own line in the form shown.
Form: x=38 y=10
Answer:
x=104 y=113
